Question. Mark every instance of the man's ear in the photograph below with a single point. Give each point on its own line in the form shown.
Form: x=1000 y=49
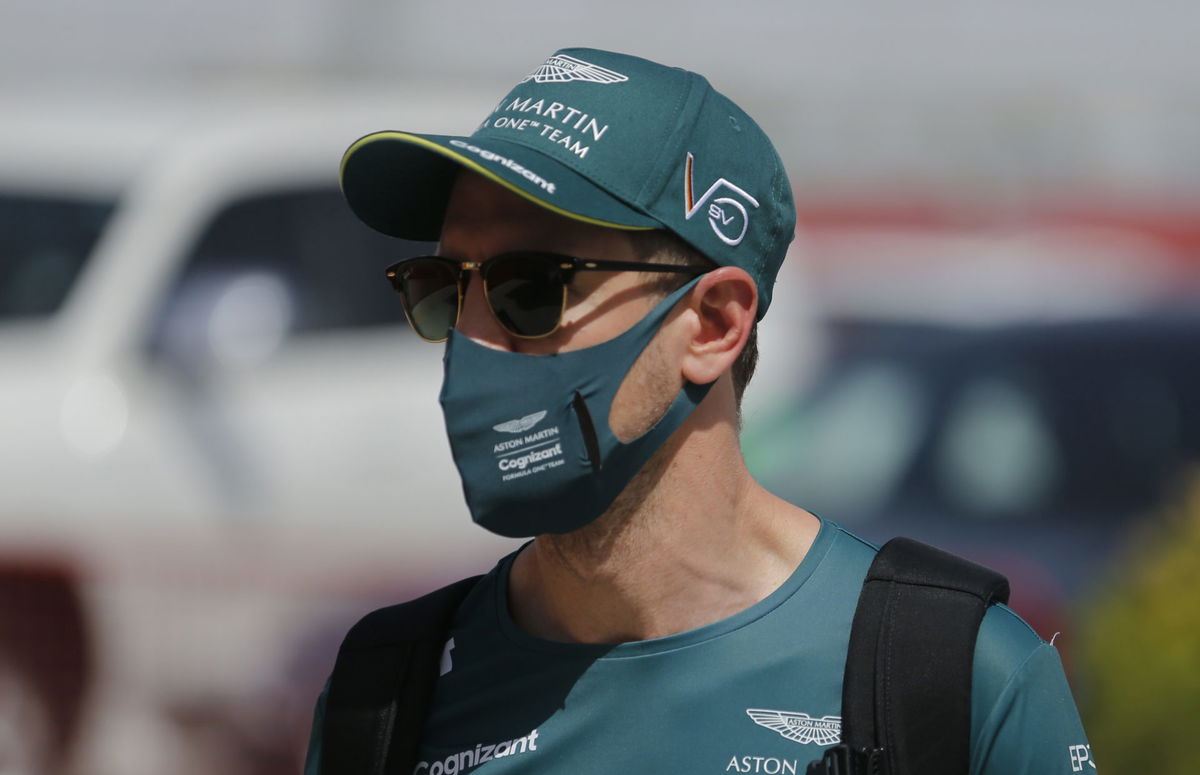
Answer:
x=722 y=310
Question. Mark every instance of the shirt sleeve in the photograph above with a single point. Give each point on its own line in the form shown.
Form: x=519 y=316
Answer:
x=312 y=759
x=1033 y=726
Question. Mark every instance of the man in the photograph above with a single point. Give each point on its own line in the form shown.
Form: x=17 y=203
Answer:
x=608 y=239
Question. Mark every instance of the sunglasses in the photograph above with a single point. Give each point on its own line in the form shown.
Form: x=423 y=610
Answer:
x=526 y=290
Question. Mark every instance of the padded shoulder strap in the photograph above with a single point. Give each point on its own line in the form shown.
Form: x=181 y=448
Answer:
x=382 y=685
x=907 y=687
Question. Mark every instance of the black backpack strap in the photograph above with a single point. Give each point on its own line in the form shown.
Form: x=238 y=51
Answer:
x=382 y=685
x=906 y=698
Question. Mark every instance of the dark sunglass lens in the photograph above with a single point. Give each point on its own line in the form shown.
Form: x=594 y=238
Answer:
x=526 y=292
x=429 y=291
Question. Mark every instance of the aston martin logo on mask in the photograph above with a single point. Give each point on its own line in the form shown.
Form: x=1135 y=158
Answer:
x=521 y=424
x=560 y=68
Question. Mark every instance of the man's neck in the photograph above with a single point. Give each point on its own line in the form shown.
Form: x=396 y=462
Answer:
x=692 y=540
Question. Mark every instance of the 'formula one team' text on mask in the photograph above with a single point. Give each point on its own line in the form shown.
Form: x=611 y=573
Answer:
x=530 y=433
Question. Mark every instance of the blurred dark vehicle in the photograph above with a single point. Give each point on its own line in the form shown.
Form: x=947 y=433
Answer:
x=1032 y=447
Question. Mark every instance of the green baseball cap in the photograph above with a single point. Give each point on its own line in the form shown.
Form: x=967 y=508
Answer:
x=604 y=138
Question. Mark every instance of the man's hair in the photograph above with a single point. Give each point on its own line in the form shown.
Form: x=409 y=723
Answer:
x=665 y=247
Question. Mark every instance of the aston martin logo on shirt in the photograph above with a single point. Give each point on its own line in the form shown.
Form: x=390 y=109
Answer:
x=521 y=424
x=799 y=727
x=560 y=67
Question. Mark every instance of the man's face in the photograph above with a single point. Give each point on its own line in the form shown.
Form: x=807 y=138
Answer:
x=484 y=220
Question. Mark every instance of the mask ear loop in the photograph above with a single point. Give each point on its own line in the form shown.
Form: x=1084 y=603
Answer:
x=662 y=312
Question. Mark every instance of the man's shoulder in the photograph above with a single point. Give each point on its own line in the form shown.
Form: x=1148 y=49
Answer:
x=846 y=553
x=1012 y=665
x=1005 y=641
x=429 y=615
x=1004 y=645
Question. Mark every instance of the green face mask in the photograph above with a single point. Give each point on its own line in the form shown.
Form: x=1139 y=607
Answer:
x=530 y=433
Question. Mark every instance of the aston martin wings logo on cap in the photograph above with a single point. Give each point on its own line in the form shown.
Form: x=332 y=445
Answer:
x=560 y=68
x=800 y=727
x=521 y=423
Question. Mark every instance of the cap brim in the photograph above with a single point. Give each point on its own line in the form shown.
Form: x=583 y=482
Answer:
x=399 y=183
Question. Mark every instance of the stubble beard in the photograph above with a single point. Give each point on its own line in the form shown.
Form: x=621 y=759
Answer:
x=646 y=394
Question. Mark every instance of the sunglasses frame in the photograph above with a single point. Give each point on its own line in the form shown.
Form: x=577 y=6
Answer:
x=566 y=265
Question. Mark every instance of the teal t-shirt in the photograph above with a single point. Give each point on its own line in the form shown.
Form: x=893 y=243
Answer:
x=757 y=692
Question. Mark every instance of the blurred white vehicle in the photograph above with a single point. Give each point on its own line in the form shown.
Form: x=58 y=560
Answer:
x=215 y=428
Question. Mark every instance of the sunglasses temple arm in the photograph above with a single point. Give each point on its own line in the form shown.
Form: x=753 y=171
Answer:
x=636 y=266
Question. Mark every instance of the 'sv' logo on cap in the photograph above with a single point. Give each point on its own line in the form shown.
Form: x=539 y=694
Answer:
x=724 y=221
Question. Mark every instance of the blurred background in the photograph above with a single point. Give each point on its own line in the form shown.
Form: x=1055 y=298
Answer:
x=219 y=443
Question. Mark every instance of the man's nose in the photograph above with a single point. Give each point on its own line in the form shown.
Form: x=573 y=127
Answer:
x=476 y=319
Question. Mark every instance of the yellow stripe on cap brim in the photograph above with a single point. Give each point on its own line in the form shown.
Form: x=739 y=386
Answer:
x=476 y=167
